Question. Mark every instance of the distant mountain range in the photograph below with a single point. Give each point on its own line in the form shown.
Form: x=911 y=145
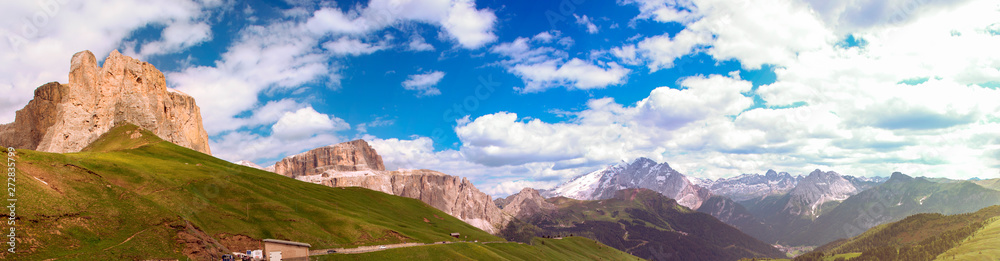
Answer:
x=751 y=186
x=641 y=222
x=778 y=207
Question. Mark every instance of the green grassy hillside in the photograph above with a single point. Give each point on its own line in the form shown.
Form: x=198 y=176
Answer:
x=649 y=225
x=894 y=200
x=131 y=195
x=569 y=249
x=981 y=245
x=922 y=237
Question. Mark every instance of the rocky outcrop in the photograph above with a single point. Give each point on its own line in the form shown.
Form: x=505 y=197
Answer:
x=356 y=164
x=355 y=155
x=526 y=203
x=67 y=117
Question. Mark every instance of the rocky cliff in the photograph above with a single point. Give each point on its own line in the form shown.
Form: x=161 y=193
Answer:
x=355 y=155
x=67 y=117
x=356 y=164
x=526 y=203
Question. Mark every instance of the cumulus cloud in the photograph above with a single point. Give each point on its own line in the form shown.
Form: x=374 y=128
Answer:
x=545 y=67
x=753 y=32
x=306 y=122
x=424 y=83
x=470 y=27
x=348 y=46
x=177 y=37
x=573 y=74
x=417 y=43
x=606 y=131
x=661 y=51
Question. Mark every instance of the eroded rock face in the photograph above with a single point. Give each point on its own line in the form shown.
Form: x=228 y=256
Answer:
x=527 y=203
x=355 y=155
x=356 y=164
x=67 y=117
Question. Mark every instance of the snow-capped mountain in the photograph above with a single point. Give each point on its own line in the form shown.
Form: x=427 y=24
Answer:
x=749 y=186
x=640 y=173
x=248 y=164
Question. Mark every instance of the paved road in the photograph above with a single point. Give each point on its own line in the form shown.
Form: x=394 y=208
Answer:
x=366 y=249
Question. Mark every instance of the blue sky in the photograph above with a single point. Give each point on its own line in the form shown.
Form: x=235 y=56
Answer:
x=522 y=93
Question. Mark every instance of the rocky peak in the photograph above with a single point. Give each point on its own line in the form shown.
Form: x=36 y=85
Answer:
x=526 y=203
x=899 y=177
x=641 y=173
x=354 y=155
x=67 y=117
x=641 y=161
x=817 y=188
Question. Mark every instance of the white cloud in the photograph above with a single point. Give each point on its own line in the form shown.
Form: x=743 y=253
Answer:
x=306 y=122
x=662 y=50
x=753 y=32
x=417 y=43
x=628 y=54
x=573 y=74
x=424 y=83
x=177 y=37
x=470 y=27
x=586 y=22
x=348 y=46
x=681 y=11
x=545 y=67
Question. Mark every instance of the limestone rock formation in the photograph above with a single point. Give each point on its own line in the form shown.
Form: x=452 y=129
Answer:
x=67 y=117
x=356 y=164
x=355 y=155
x=526 y=203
